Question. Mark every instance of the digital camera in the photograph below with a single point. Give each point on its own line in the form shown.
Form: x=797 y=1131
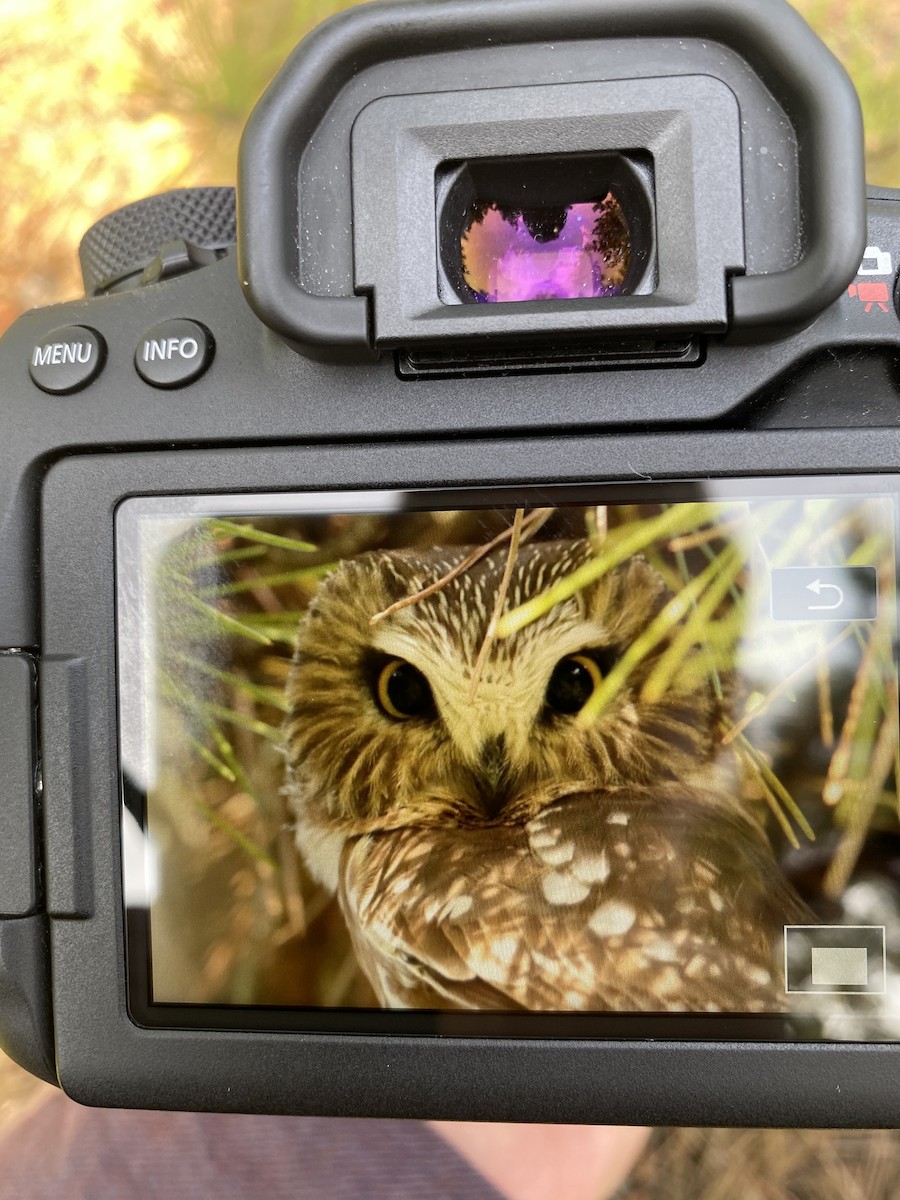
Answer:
x=448 y=597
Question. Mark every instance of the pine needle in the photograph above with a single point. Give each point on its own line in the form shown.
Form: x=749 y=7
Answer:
x=826 y=704
x=231 y=624
x=778 y=790
x=249 y=847
x=851 y=845
x=211 y=760
x=693 y=632
x=264 y=695
x=249 y=533
x=839 y=766
x=675 y=519
x=283 y=579
x=785 y=686
x=645 y=644
x=693 y=541
x=231 y=717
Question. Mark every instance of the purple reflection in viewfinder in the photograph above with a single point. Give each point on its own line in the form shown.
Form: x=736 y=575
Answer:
x=503 y=261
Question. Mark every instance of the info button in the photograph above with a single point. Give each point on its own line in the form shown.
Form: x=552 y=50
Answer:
x=824 y=594
x=174 y=353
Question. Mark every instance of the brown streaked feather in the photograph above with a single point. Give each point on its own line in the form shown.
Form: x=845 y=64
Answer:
x=679 y=909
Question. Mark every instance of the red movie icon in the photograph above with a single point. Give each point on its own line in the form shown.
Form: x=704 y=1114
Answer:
x=871 y=293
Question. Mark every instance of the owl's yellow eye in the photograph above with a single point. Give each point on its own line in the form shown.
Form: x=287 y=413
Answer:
x=403 y=691
x=572 y=684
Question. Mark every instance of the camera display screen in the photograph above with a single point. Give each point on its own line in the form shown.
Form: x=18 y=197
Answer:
x=617 y=760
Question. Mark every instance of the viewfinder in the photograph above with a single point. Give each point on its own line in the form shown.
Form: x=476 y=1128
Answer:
x=566 y=227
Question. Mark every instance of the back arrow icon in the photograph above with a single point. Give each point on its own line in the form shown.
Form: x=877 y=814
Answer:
x=818 y=587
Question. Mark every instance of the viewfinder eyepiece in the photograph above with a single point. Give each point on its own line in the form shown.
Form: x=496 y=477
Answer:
x=566 y=227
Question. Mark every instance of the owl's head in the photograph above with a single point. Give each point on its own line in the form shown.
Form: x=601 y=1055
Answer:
x=386 y=731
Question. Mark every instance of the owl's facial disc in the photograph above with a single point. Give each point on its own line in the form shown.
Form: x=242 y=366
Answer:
x=496 y=734
x=408 y=720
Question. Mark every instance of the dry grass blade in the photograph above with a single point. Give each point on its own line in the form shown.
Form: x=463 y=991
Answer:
x=530 y=526
x=502 y=592
x=296 y=918
x=596 y=522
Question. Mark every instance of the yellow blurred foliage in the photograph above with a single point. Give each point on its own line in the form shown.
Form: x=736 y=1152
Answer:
x=69 y=149
x=865 y=36
x=105 y=102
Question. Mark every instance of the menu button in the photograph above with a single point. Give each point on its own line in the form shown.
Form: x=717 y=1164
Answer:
x=67 y=359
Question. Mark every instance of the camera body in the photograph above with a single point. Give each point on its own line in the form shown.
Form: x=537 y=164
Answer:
x=753 y=337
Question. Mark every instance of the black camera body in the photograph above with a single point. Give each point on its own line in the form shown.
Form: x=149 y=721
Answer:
x=749 y=333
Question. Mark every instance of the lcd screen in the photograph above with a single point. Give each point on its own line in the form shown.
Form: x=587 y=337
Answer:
x=582 y=761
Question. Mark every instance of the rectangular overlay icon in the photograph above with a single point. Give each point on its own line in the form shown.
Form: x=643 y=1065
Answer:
x=834 y=958
x=824 y=594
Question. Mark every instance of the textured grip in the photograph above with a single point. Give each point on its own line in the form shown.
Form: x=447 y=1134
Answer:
x=128 y=239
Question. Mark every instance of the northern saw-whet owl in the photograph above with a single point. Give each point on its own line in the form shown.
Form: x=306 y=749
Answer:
x=489 y=849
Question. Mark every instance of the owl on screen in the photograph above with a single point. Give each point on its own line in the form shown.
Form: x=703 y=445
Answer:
x=489 y=847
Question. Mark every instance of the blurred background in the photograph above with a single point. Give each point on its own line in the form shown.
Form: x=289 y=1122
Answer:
x=104 y=102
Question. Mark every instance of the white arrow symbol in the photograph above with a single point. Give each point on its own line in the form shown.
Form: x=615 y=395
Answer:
x=818 y=587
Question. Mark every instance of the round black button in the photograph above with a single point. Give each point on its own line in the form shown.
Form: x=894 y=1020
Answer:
x=174 y=353
x=67 y=359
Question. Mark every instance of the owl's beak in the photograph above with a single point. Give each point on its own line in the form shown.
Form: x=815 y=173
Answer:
x=493 y=775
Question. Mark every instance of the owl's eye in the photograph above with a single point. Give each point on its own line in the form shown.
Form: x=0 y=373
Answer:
x=403 y=691
x=572 y=684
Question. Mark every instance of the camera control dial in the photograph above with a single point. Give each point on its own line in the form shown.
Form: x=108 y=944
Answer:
x=157 y=238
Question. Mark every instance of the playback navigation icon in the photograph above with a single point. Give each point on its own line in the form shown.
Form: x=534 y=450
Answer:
x=824 y=594
x=834 y=959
